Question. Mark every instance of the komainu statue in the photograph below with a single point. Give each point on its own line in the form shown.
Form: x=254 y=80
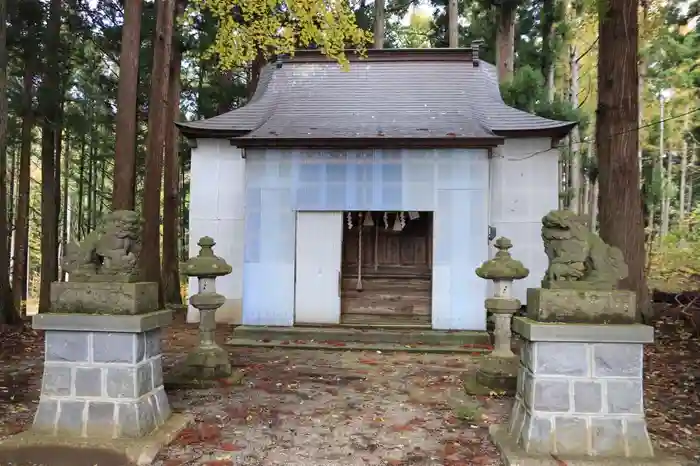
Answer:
x=579 y=259
x=109 y=253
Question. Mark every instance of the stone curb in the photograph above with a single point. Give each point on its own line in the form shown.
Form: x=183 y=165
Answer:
x=141 y=451
x=514 y=455
x=350 y=346
x=103 y=323
x=583 y=333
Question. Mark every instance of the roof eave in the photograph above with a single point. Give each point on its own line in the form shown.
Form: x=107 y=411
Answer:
x=369 y=142
x=194 y=132
x=555 y=132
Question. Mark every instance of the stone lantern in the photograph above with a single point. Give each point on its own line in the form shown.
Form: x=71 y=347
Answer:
x=498 y=372
x=209 y=360
x=502 y=269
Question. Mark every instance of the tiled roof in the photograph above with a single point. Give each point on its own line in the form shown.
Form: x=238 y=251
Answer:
x=406 y=94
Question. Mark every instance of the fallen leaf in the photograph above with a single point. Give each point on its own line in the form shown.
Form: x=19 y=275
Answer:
x=371 y=362
x=228 y=446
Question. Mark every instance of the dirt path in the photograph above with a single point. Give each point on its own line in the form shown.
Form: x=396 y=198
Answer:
x=323 y=408
x=335 y=408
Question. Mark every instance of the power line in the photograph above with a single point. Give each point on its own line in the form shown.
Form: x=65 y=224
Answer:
x=592 y=140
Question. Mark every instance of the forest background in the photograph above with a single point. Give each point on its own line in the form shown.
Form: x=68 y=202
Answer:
x=92 y=88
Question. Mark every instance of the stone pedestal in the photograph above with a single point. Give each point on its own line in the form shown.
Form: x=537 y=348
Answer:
x=103 y=375
x=208 y=360
x=581 y=306
x=104 y=297
x=580 y=390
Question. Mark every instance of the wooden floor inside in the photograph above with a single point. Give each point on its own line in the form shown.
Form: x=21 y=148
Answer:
x=387 y=276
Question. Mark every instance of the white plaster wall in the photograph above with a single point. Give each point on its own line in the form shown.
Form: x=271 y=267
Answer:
x=217 y=194
x=524 y=188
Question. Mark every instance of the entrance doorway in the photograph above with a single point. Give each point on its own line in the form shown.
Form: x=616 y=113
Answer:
x=387 y=268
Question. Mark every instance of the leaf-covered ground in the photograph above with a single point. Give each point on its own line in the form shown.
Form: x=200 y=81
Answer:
x=352 y=408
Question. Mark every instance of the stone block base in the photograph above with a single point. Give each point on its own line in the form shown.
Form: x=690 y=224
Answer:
x=581 y=306
x=140 y=451
x=580 y=398
x=104 y=297
x=102 y=384
x=513 y=454
x=207 y=363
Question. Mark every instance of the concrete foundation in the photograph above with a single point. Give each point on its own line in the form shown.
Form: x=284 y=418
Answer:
x=583 y=396
x=104 y=380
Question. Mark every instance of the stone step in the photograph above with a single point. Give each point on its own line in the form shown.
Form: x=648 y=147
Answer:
x=402 y=336
x=351 y=346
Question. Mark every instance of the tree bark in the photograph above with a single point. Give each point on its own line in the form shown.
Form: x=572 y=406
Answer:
x=693 y=158
x=380 y=22
x=621 y=222
x=157 y=115
x=171 y=181
x=65 y=219
x=505 y=43
x=684 y=165
x=452 y=24
x=57 y=184
x=21 y=240
x=575 y=153
x=547 y=58
x=8 y=312
x=665 y=174
x=123 y=197
x=50 y=103
x=81 y=189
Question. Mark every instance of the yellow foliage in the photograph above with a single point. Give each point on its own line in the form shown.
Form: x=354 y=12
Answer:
x=248 y=27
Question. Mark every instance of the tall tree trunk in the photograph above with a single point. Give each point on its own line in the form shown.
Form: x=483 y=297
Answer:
x=547 y=58
x=452 y=24
x=640 y=120
x=665 y=174
x=10 y=202
x=616 y=141
x=594 y=202
x=505 y=42
x=8 y=312
x=684 y=165
x=171 y=181
x=123 y=197
x=21 y=239
x=65 y=219
x=253 y=76
x=57 y=184
x=81 y=183
x=693 y=159
x=50 y=103
x=157 y=116
x=574 y=137
x=380 y=23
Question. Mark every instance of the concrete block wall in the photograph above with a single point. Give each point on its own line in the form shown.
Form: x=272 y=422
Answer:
x=581 y=399
x=102 y=384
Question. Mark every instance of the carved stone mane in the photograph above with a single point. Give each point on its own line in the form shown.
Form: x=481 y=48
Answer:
x=110 y=253
x=578 y=258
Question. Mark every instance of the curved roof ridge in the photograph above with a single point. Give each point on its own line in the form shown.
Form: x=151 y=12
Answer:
x=402 y=93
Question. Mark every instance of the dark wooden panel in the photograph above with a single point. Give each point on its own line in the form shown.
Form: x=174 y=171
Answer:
x=396 y=274
x=378 y=321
